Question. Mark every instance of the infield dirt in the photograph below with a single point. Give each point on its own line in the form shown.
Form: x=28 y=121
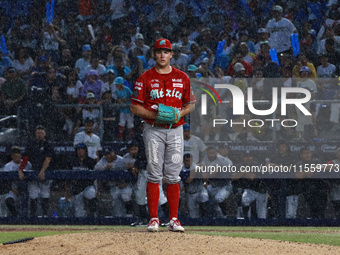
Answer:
x=164 y=242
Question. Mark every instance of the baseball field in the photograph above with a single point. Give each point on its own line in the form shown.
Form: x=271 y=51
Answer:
x=63 y=239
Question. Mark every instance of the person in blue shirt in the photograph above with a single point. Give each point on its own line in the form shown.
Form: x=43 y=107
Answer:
x=123 y=95
x=4 y=63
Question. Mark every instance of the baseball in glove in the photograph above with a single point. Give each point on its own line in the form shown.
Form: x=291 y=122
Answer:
x=167 y=115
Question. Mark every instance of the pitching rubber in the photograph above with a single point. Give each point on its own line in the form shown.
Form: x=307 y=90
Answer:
x=19 y=240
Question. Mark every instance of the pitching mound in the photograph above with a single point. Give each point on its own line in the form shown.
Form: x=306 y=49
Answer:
x=132 y=242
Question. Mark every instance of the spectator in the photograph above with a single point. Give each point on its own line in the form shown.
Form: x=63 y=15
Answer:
x=301 y=62
x=28 y=40
x=121 y=193
x=255 y=190
x=110 y=162
x=244 y=38
x=306 y=128
x=239 y=79
x=81 y=192
x=312 y=189
x=192 y=71
x=66 y=61
x=330 y=38
x=73 y=87
x=196 y=194
x=105 y=47
x=126 y=118
x=95 y=65
x=309 y=45
x=193 y=145
x=139 y=42
x=177 y=15
x=23 y=64
x=283 y=157
x=185 y=45
x=119 y=68
x=206 y=40
x=263 y=56
x=238 y=58
x=179 y=60
x=326 y=69
x=82 y=63
x=204 y=68
x=280 y=30
x=91 y=140
x=15 y=191
x=54 y=83
x=109 y=84
x=262 y=36
x=219 y=189
x=117 y=52
x=92 y=84
x=139 y=170
x=335 y=185
x=40 y=153
x=126 y=44
x=4 y=63
x=332 y=51
x=197 y=55
x=90 y=112
x=138 y=64
x=51 y=38
x=246 y=54
x=13 y=91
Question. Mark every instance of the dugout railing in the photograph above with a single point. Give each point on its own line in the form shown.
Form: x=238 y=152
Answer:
x=63 y=175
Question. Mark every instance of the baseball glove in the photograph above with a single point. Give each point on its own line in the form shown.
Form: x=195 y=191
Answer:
x=167 y=115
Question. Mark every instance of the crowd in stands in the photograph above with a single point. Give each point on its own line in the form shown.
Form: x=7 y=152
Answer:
x=60 y=62
x=88 y=57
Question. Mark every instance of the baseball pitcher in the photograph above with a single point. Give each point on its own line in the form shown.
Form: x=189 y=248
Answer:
x=162 y=96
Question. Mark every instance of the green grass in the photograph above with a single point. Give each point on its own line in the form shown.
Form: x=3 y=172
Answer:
x=317 y=235
x=6 y=236
x=10 y=236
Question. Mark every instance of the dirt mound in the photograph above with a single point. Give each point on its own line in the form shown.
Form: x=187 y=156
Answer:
x=132 y=242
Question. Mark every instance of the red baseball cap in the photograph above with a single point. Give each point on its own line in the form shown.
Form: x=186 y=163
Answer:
x=107 y=38
x=162 y=44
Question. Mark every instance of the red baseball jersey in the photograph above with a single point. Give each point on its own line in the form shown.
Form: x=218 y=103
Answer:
x=172 y=89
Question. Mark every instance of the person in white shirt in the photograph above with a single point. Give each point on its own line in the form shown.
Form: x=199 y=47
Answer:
x=113 y=162
x=326 y=69
x=263 y=36
x=51 y=40
x=329 y=34
x=139 y=42
x=95 y=65
x=88 y=138
x=179 y=59
x=193 y=144
x=82 y=63
x=195 y=193
x=219 y=189
x=109 y=84
x=280 y=30
x=303 y=120
x=12 y=196
x=23 y=64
